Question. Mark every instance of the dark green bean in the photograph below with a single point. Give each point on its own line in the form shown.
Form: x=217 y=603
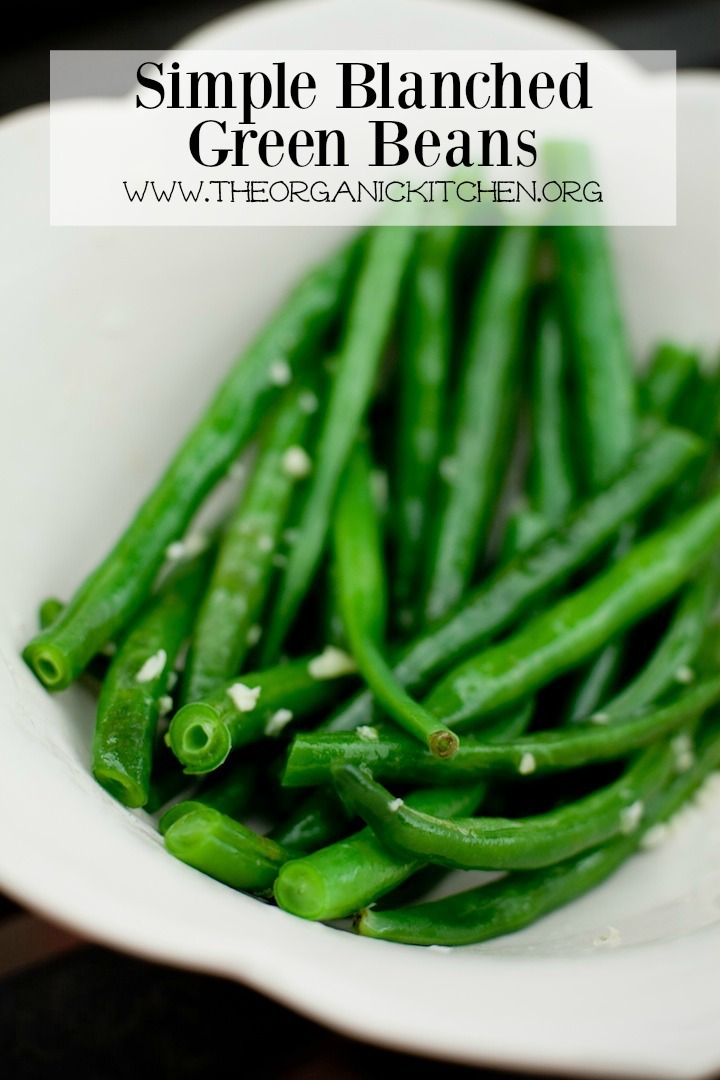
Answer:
x=572 y=630
x=600 y=355
x=425 y=350
x=362 y=598
x=670 y=663
x=516 y=587
x=318 y=820
x=367 y=329
x=551 y=482
x=516 y=901
x=508 y=843
x=230 y=794
x=394 y=756
x=136 y=683
x=672 y=368
x=234 y=601
x=485 y=422
x=110 y=597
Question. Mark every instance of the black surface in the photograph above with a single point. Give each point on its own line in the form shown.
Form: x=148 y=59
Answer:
x=99 y=1015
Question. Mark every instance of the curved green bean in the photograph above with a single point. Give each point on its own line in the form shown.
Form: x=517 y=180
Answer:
x=516 y=901
x=362 y=598
x=508 y=843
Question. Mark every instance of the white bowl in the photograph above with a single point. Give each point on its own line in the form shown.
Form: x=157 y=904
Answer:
x=110 y=339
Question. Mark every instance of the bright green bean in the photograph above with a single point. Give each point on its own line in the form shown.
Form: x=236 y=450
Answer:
x=225 y=849
x=342 y=878
x=338 y=880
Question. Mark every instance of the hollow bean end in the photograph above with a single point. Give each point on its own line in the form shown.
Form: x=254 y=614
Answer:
x=199 y=739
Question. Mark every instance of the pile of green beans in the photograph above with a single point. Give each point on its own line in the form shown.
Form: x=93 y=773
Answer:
x=474 y=555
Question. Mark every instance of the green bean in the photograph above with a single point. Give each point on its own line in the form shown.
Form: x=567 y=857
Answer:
x=230 y=794
x=338 y=880
x=320 y=819
x=670 y=663
x=485 y=421
x=137 y=680
x=519 y=899
x=508 y=843
x=243 y=711
x=362 y=597
x=597 y=682
x=516 y=587
x=663 y=386
x=236 y=594
x=110 y=597
x=393 y=756
x=600 y=355
x=225 y=849
x=572 y=630
x=551 y=480
x=367 y=330
x=49 y=611
x=425 y=350
x=347 y=875
x=524 y=529
x=672 y=368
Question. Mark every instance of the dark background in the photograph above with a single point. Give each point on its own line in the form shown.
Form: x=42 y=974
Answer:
x=100 y=1015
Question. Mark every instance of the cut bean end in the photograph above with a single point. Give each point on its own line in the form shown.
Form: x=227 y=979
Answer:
x=49 y=664
x=121 y=786
x=443 y=743
x=199 y=739
x=300 y=890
